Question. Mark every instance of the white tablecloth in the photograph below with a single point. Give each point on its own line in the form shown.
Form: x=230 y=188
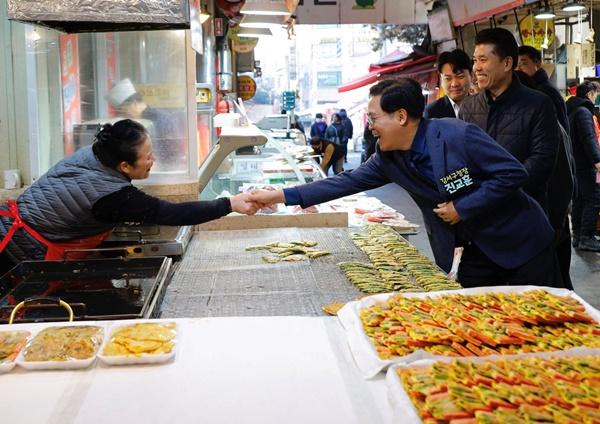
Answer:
x=227 y=370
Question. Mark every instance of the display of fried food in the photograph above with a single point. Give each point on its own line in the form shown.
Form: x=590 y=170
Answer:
x=466 y=325
x=333 y=308
x=293 y=251
x=146 y=338
x=11 y=343
x=64 y=344
x=396 y=265
x=525 y=390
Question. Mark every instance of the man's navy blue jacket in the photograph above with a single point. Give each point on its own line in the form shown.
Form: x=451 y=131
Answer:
x=504 y=222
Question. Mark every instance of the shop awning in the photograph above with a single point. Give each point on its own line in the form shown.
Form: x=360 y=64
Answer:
x=464 y=12
x=405 y=68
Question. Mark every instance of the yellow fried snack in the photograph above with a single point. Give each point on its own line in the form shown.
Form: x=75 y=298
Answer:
x=333 y=308
x=141 y=339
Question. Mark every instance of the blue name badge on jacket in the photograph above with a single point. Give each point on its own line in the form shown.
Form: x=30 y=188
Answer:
x=458 y=182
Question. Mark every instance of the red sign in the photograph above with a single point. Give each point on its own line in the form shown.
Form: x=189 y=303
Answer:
x=111 y=65
x=69 y=67
x=219 y=27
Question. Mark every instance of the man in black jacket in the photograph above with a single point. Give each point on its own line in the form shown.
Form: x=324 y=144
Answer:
x=586 y=203
x=520 y=119
x=455 y=79
x=530 y=62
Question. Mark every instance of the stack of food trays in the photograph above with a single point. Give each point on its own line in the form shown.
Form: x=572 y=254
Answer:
x=396 y=265
x=535 y=388
x=77 y=345
x=391 y=328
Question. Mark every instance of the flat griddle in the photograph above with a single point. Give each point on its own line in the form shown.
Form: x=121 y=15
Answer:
x=96 y=289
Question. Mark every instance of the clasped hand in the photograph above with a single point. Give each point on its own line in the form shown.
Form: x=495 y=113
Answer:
x=249 y=203
x=447 y=213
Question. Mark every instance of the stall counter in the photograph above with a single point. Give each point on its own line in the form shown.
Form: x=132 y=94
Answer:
x=226 y=370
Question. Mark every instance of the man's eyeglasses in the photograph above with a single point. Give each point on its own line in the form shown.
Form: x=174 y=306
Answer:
x=371 y=119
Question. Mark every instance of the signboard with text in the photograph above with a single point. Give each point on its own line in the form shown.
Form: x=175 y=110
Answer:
x=361 y=12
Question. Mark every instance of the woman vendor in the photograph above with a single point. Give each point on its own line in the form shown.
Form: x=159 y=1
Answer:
x=78 y=202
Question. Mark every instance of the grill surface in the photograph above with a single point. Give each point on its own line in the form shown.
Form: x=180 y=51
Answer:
x=218 y=277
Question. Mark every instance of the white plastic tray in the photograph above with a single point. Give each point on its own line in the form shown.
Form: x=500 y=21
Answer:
x=363 y=351
x=403 y=410
x=7 y=366
x=143 y=358
x=71 y=364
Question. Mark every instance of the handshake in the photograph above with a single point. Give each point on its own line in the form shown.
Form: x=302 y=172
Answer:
x=249 y=203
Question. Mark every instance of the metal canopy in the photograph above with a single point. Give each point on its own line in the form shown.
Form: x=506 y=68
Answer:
x=75 y=16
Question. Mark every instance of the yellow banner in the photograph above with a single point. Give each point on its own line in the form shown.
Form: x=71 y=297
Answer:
x=538 y=33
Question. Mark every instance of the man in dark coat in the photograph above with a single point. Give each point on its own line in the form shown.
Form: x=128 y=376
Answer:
x=348 y=130
x=520 y=119
x=586 y=203
x=466 y=185
x=317 y=129
x=455 y=78
x=530 y=62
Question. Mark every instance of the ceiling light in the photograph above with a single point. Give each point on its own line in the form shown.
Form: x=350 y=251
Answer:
x=262 y=21
x=265 y=7
x=204 y=17
x=254 y=32
x=544 y=13
x=573 y=6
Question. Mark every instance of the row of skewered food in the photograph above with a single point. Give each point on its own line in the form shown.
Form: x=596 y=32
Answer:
x=396 y=265
x=524 y=390
x=490 y=323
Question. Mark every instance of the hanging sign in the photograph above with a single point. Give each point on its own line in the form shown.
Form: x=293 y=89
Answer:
x=246 y=87
x=537 y=33
x=69 y=66
x=360 y=12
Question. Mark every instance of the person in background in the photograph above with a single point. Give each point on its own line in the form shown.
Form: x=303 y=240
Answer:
x=455 y=78
x=294 y=121
x=317 y=129
x=335 y=133
x=520 y=119
x=561 y=188
x=169 y=129
x=467 y=187
x=369 y=143
x=586 y=203
x=78 y=202
x=348 y=130
x=530 y=62
x=331 y=154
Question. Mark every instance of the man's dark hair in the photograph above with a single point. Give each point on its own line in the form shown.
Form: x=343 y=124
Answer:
x=503 y=42
x=584 y=88
x=458 y=60
x=531 y=52
x=400 y=93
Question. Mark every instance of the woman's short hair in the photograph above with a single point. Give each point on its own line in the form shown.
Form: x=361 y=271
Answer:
x=119 y=142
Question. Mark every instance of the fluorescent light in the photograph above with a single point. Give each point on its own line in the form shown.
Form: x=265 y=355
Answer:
x=544 y=13
x=254 y=32
x=262 y=21
x=573 y=6
x=265 y=7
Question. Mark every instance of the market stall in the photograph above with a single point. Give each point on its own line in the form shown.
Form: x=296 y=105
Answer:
x=226 y=370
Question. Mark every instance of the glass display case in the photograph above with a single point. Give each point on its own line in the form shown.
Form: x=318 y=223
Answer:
x=82 y=81
x=277 y=163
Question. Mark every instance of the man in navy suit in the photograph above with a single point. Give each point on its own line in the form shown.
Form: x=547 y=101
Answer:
x=466 y=185
x=455 y=79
